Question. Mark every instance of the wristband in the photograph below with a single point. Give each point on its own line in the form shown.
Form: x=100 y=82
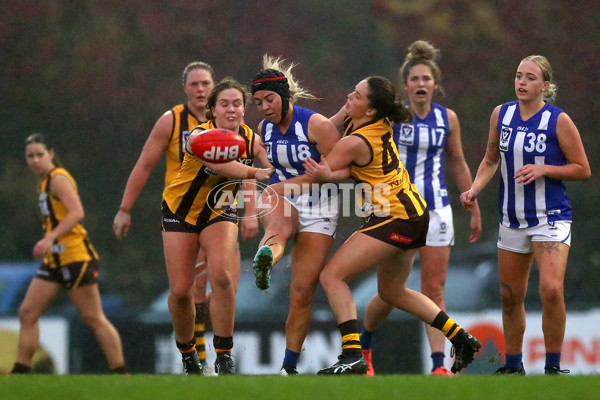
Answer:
x=252 y=173
x=124 y=210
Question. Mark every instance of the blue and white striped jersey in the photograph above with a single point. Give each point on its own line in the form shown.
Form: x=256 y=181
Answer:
x=288 y=151
x=530 y=142
x=421 y=147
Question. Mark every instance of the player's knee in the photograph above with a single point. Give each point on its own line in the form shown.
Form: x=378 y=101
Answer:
x=392 y=295
x=179 y=297
x=301 y=295
x=27 y=315
x=510 y=300
x=93 y=320
x=551 y=293
x=222 y=282
x=327 y=278
x=434 y=290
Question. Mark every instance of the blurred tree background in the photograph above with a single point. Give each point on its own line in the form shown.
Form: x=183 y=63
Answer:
x=95 y=76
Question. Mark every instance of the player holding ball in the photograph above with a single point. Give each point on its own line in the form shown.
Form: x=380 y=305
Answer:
x=194 y=215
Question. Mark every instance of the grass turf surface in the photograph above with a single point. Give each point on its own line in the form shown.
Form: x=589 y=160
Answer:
x=305 y=387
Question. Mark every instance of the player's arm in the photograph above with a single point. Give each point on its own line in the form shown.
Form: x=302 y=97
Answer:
x=63 y=189
x=572 y=147
x=231 y=169
x=336 y=166
x=323 y=133
x=338 y=119
x=237 y=170
x=155 y=146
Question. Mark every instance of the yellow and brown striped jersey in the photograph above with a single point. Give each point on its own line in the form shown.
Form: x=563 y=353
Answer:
x=197 y=195
x=74 y=246
x=184 y=121
x=387 y=189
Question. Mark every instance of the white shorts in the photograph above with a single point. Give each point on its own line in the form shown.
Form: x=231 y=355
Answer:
x=520 y=240
x=441 y=227
x=318 y=218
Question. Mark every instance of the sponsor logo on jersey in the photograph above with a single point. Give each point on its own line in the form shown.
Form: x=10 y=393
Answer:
x=269 y=151
x=407 y=135
x=505 y=138
x=210 y=172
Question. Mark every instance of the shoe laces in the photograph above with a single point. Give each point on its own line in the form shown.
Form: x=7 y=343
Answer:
x=556 y=370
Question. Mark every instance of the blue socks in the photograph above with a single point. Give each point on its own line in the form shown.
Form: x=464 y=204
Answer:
x=552 y=360
x=365 y=339
x=438 y=360
x=514 y=360
x=290 y=358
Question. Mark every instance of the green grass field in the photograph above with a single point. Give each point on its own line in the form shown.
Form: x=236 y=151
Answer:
x=306 y=387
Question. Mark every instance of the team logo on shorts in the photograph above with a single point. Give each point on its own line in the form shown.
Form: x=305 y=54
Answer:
x=407 y=135
x=401 y=239
x=505 y=138
x=443 y=228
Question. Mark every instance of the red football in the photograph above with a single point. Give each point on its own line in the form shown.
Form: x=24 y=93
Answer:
x=218 y=146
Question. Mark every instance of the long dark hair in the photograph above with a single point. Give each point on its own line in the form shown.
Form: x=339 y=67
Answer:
x=39 y=137
x=384 y=99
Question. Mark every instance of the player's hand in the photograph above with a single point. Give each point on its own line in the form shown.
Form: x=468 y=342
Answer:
x=263 y=174
x=121 y=224
x=468 y=198
x=248 y=228
x=41 y=247
x=320 y=171
x=529 y=173
x=475 y=225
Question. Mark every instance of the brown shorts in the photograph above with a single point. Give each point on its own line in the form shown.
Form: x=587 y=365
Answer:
x=402 y=233
x=70 y=276
x=172 y=223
